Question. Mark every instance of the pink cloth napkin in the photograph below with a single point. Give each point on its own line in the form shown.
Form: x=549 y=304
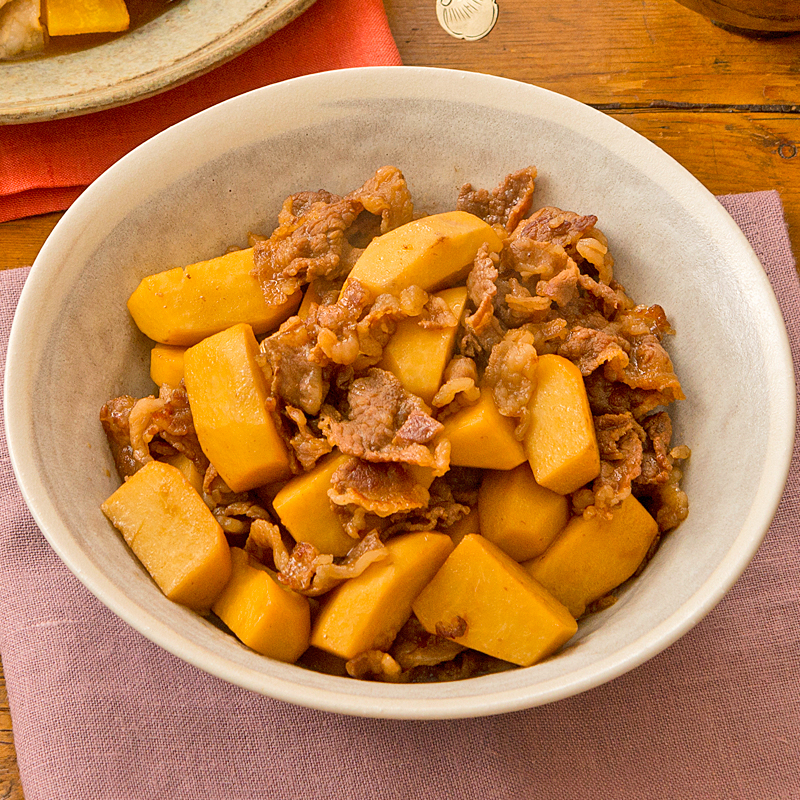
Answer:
x=44 y=166
x=100 y=712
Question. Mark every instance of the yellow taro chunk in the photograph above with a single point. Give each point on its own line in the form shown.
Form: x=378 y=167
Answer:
x=417 y=356
x=166 y=364
x=560 y=442
x=71 y=17
x=264 y=615
x=517 y=514
x=430 y=252
x=593 y=556
x=481 y=437
x=306 y=511
x=228 y=398
x=172 y=532
x=310 y=296
x=365 y=613
x=183 y=306
x=188 y=470
x=483 y=599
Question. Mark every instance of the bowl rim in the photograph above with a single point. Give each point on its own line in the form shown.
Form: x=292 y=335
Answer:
x=260 y=25
x=337 y=699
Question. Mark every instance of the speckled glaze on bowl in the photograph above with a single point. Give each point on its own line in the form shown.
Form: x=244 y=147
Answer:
x=189 y=38
x=201 y=186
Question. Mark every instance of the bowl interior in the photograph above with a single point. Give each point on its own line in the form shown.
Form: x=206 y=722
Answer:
x=201 y=186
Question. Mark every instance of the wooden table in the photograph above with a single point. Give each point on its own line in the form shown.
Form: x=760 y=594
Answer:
x=725 y=106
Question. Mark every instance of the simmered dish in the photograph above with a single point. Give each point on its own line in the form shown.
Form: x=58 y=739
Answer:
x=30 y=28
x=397 y=446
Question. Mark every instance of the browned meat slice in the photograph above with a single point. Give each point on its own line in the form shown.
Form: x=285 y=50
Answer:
x=515 y=303
x=296 y=379
x=642 y=320
x=386 y=196
x=511 y=375
x=529 y=258
x=562 y=288
x=548 y=335
x=506 y=204
x=649 y=368
x=459 y=385
x=593 y=248
x=114 y=419
x=554 y=226
x=417 y=656
x=335 y=324
x=611 y=296
x=379 y=323
x=481 y=289
x=382 y=489
x=266 y=544
x=660 y=478
x=176 y=426
x=312 y=573
x=588 y=349
x=669 y=504
x=175 y=422
x=468 y=664
x=415 y=647
x=328 y=291
x=620 y=440
x=443 y=510
x=608 y=397
x=384 y=422
x=236 y=518
x=478 y=345
x=351 y=331
x=582 y=312
x=436 y=315
x=217 y=493
x=297 y=572
x=311 y=240
x=375 y=665
x=139 y=430
x=656 y=459
x=298 y=205
x=310 y=246
x=307 y=446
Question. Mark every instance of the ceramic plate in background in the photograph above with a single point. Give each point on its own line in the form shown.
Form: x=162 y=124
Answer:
x=199 y=187
x=189 y=38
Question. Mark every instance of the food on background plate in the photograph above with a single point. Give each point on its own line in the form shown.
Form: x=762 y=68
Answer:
x=401 y=447
x=33 y=27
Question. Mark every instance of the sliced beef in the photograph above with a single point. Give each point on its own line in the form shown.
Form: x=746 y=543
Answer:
x=506 y=204
x=384 y=422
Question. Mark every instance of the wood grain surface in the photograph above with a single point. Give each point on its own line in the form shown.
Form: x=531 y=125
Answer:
x=726 y=107
x=10 y=787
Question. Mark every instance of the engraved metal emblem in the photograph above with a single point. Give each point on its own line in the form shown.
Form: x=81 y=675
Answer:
x=467 y=19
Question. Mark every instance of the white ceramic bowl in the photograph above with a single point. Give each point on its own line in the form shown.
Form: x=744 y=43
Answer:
x=195 y=189
x=189 y=38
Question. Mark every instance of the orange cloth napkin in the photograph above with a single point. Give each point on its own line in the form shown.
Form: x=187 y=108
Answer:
x=44 y=166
